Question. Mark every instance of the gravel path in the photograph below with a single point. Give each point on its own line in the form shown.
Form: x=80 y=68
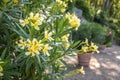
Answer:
x=103 y=66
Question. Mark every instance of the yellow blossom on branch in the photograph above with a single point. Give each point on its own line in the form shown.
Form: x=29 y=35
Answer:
x=65 y=38
x=85 y=42
x=93 y=47
x=84 y=49
x=66 y=45
x=35 y=25
x=60 y=5
x=24 y=22
x=22 y=43
x=48 y=35
x=73 y=20
x=35 y=20
x=33 y=47
x=46 y=48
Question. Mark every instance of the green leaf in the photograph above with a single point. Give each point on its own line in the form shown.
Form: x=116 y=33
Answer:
x=39 y=61
x=75 y=44
x=3 y=53
x=25 y=34
x=28 y=65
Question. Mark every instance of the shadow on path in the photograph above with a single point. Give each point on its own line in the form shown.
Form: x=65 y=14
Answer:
x=103 y=66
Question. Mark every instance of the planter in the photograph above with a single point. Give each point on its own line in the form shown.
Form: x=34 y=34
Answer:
x=84 y=59
x=102 y=47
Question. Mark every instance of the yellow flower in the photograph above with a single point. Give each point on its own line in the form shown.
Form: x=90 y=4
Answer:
x=31 y=43
x=34 y=47
x=81 y=70
x=61 y=5
x=34 y=42
x=30 y=52
x=84 y=49
x=93 y=47
x=36 y=25
x=36 y=19
x=48 y=35
x=46 y=48
x=66 y=45
x=24 y=22
x=73 y=20
x=71 y=73
x=67 y=16
x=31 y=16
x=22 y=43
x=85 y=42
x=15 y=1
x=62 y=10
x=65 y=38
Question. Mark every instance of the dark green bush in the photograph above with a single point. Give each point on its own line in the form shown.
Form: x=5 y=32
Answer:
x=88 y=13
x=93 y=31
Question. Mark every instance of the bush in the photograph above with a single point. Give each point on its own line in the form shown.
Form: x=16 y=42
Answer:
x=34 y=38
x=92 y=31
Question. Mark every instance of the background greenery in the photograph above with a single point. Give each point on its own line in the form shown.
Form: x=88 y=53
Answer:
x=104 y=12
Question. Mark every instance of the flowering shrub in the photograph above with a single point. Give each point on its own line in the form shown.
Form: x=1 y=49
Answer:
x=41 y=31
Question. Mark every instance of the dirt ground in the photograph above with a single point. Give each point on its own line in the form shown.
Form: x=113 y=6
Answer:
x=103 y=66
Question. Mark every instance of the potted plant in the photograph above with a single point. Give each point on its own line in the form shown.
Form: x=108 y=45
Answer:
x=86 y=50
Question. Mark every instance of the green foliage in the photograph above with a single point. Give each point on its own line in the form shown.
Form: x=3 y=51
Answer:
x=88 y=12
x=92 y=31
x=19 y=66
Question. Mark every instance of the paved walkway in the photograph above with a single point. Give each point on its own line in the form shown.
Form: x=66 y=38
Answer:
x=103 y=66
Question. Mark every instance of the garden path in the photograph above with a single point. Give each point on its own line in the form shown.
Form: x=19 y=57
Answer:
x=103 y=66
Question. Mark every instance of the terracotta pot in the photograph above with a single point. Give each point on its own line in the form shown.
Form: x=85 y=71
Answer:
x=102 y=47
x=84 y=59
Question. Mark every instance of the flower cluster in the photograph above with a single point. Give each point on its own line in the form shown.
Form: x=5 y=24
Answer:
x=35 y=20
x=34 y=47
x=86 y=47
x=73 y=20
x=61 y=5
